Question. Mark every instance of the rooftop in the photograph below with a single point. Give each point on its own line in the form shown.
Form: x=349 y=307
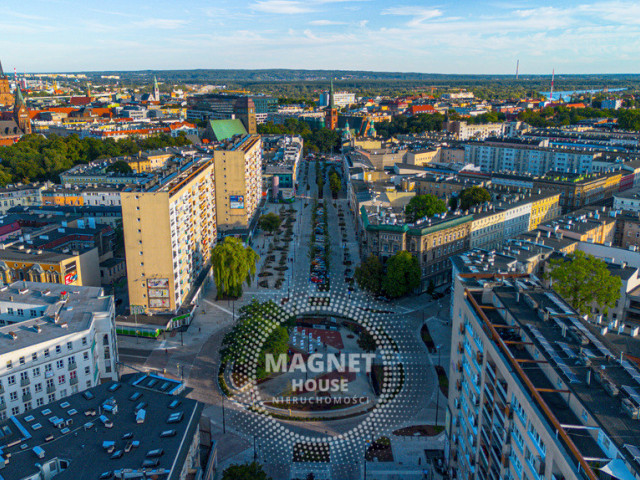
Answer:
x=590 y=362
x=60 y=310
x=80 y=429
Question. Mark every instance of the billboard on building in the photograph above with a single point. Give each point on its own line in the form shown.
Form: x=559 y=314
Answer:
x=70 y=273
x=236 y=201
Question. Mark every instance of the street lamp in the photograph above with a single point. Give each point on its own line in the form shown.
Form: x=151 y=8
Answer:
x=438 y=348
x=224 y=427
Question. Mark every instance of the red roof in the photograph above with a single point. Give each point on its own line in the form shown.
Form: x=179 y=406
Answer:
x=421 y=109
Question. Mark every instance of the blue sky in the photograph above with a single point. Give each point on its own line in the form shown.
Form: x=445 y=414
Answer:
x=462 y=36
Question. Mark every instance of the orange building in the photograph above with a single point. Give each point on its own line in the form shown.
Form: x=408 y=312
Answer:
x=6 y=99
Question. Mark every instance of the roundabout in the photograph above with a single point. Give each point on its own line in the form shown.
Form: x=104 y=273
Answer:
x=323 y=380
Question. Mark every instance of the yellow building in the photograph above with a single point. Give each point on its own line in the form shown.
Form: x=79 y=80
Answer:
x=169 y=232
x=62 y=196
x=423 y=157
x=544 y=209
x=238 y=182
x=73 y=268
x=149 y=161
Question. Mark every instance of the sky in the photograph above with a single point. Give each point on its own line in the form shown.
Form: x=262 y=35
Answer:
x=461 y=36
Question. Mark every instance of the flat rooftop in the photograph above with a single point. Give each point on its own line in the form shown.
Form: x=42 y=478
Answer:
x=580 y=354
x=60 y=310
x=79 y=440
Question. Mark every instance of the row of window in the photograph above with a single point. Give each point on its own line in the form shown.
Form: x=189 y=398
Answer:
x=46 y=353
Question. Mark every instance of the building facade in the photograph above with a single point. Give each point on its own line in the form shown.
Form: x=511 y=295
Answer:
x=534 y=391
x=57 y=340
x=169 y=232
x=238 y=182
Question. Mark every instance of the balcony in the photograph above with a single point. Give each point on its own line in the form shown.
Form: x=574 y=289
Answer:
x=24 y=382
x=73 y=366
x=73 y=381
x=26 y=397
x=51 y=388
x=3 y=406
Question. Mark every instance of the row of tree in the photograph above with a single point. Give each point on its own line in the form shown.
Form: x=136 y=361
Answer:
x=399 y=276
x=38 y=158
x=315 y=139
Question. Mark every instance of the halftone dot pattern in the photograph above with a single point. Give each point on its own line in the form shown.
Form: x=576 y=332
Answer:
x=405 y=388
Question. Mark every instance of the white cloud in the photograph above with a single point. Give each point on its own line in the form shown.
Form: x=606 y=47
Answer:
x=419 y=14
x=281 y=7
x=323 y=23
x=161 y=23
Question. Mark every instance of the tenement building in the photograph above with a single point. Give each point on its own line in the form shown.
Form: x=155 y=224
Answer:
x=535 y=391
x=55 y=340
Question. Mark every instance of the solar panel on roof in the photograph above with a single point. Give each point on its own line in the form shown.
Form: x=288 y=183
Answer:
x=634 y=451
x=551 y=352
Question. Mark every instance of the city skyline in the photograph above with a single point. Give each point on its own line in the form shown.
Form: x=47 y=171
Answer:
x=574 y=37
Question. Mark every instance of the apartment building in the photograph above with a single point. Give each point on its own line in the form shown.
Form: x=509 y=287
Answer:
x=169 y=231
x=464 y=131
x=528 y=157
x=383 y=233
x=577 y=191
x=629 y=200
x=55 y=340
x=445 y=186
x=20 y=195
x=627 y=234
x=590 y=224
x=238 y=183
x=534 y=391
x=136 y=432
x=497 y=221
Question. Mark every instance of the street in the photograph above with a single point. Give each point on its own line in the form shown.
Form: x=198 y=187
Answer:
x=195 y=357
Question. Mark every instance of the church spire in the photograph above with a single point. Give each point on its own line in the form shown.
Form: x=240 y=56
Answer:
x=19 y=98
x=156 y=89
x=331 y=101
x=1 y=71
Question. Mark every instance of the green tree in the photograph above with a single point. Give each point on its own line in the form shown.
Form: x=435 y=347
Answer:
x=584 y=280
x=453 y=203
x=119 y=167
x=233 y=265
x=403 y=274
x=370 y=274
x=334 y=182
x=270 y=222
x=366 y=342
x=251 y=471
x=424 y=206
x=473 y=196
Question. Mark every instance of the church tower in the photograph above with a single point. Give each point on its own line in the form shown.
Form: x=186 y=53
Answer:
x=6 y=99
x=331 y=115
x=156 y=90
x=20 y=112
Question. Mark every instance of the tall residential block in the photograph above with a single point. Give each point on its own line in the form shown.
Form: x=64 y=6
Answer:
x=238 y=182
x=169 y=231
x=535 y=392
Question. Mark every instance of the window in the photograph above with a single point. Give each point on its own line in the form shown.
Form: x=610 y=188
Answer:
x=10 y=311
x=84 y=340
x=39 y=402
x=73 y=375
x=85 y=356
x=46 y=353
x=24 y=376
x=9 y=365
x=15 y=411
x=69 y=345
x=13 y=396
x=20 y=312
x=87 y=370
x=61 y=379
x=48 y=368
x=11 y=380
x=38 y=387
x=33 y=313
x=36 y=371
x=50 y=383
x=34 y=356
x=58 y=349
x=51 y=397
x=60 y=364
x=21 y=360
